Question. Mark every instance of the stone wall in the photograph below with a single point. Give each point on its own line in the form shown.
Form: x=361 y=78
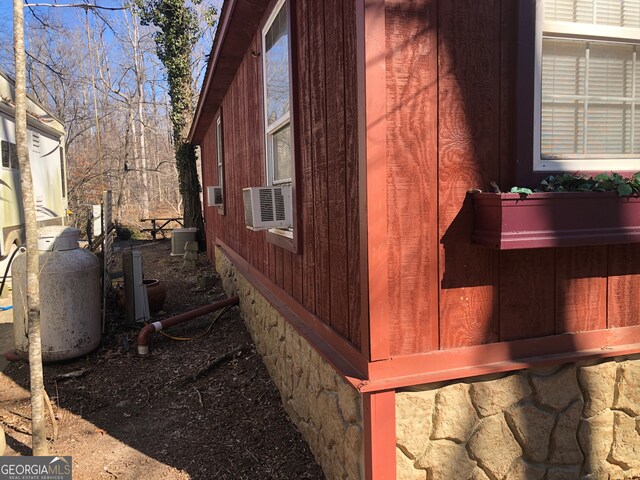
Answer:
x=570 y=422
x=323 y=406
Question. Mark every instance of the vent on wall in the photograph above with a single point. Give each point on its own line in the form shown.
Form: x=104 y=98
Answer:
x=267 y=207
x=35 y=141
x=214 y=196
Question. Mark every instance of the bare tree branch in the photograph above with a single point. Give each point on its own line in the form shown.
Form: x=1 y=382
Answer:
x=86 y=6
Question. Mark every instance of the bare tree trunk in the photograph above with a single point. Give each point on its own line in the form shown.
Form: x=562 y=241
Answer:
x=139 y=66
x=39 y=437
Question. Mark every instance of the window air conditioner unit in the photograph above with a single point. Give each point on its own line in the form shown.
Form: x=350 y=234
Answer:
x=267 y=207
x=214 y=196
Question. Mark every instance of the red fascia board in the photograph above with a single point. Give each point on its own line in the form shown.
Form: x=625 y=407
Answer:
x=237 y=26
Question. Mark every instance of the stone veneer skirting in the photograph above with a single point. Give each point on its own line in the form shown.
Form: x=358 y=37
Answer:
x=578 y=421
x=323 y=406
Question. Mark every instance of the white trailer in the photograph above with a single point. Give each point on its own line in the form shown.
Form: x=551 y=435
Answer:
x=45 y=136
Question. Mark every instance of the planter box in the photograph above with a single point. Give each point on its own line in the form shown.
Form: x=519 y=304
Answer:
x=507 y=221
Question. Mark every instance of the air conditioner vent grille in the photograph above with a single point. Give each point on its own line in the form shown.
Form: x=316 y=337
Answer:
x=279 y=204
x=266 y=205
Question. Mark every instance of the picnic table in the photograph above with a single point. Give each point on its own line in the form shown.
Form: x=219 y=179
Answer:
x=160 y=224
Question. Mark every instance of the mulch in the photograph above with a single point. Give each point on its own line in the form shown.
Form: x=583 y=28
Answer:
x=203 y=408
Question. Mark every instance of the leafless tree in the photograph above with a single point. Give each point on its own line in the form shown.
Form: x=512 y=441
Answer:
x=39 y=437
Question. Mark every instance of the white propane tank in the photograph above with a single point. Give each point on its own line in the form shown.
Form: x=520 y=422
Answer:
x=70 y=313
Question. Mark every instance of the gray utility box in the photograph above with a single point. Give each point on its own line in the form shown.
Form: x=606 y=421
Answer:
x=180 y=236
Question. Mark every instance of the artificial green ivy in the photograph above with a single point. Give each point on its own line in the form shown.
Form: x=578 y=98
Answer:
x=573 y=182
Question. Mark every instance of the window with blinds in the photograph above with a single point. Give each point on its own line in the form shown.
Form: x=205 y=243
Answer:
x=589 y=93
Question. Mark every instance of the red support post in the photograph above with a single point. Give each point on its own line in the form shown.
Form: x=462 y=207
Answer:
x=379 y=411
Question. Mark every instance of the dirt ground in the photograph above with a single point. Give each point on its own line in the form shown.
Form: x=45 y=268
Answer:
x=128 y=417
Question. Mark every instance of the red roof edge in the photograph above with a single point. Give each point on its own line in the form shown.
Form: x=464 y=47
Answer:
x=238 y=23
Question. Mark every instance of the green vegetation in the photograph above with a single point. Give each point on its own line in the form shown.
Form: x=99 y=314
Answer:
x=178 y=31
x=572 y=182
x=126 y=232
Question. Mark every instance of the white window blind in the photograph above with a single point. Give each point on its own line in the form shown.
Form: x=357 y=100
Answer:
x=589 y=89
x=621 y=13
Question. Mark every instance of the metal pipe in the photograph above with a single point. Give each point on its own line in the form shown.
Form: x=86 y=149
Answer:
x=6 y=272
x=143 y=336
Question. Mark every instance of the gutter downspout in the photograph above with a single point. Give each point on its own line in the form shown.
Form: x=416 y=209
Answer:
x=143 y=336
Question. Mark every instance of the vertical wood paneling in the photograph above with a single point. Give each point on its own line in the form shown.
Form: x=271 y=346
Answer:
x=624 y=285
x=247 y=241
x=351 y=171
x=229 y=110
x=319 y=160
x=279 y=266
x=324 y=275
x=258 y=151
x=469 y=152
x=335 y=114
x=527 y=292
x=412 y=119
x=287 y=274
x=508 y=38
x=581 y=289
x=372 y=119
x=306 y=160
x=451 y=89
x=273 y=271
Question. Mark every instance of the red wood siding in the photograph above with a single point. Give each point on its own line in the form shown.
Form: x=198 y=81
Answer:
x=412 y=174
x=450 y=122
x=324 y=276
x=451 y=110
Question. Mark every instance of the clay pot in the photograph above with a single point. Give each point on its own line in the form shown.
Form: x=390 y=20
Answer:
x=156 y=293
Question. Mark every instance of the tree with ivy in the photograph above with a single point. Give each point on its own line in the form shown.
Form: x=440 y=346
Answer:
x=178 y=32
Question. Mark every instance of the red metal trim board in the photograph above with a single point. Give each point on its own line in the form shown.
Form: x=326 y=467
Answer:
x=379 y=412
x=439 y=365
x=345 y=358
x=370 y=38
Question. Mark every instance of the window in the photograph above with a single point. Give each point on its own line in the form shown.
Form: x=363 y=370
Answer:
x=587 y=96
x=278 y=122
x=6 y=162
x=277 y=96
x=219 y=160
x=9 y=155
